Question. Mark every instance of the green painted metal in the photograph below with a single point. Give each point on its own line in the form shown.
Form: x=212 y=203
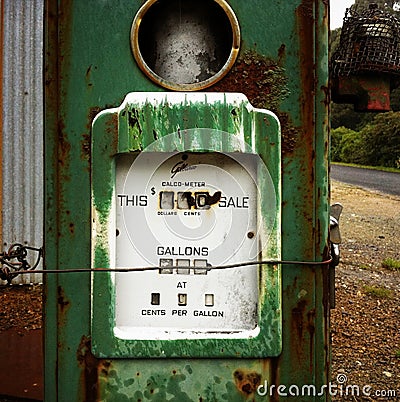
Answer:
x=230 y=125
x=90 y=67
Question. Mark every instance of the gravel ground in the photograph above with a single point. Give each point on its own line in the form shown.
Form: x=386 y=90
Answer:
x=365 y=325
x=20 y=307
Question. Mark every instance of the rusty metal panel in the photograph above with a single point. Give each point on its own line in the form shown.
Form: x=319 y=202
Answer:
x=282 y=66
x=22 y=129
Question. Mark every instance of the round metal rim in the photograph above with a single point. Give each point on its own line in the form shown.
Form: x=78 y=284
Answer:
x=193 y=86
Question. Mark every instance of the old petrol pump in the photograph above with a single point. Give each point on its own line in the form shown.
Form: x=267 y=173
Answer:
x=187 y=200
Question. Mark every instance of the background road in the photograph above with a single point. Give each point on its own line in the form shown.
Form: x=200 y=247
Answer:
x=384 y=182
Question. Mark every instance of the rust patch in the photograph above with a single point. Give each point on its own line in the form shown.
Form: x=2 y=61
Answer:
x=260 y=78
x=112 y=131
x=86 y=141
x=327 y=97
x=88 y=76
x=104 y=367
x=303 y=326
x=86 y=147
x=282 y=54
x=93 y=112
x=289 y=133
x=264 y=82
x=311 y=331
x=88 y=71
x=63 y=304
x=275 y=375
x=247 y=381
x=90 y=365
x=62 y=301
x=64 y=147
x=305 y=28
x=297 y=319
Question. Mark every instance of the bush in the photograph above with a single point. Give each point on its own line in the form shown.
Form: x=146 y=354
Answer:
x=352 y=150
x=377 y=144
x=337 y=135
x=381 y=140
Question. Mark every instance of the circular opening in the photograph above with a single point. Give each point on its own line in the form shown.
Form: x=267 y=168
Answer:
x=185 y=44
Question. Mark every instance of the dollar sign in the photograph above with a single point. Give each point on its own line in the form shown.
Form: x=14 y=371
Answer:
x=153 y=191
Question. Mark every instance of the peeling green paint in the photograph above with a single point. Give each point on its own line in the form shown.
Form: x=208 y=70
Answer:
x=171 y=382
x=193 y=109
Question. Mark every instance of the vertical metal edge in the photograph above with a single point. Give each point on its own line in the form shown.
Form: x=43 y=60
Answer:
x=303 y=353
x=51 y=107
x=322 y=193
x=1 y=115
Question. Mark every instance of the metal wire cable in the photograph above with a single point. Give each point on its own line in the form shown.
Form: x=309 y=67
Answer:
x=156 y=268
x=18 y=252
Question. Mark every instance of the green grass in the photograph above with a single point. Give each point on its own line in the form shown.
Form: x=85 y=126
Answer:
x=392 y=264
x=397 y=353
x=380 y=293
x=385 y=169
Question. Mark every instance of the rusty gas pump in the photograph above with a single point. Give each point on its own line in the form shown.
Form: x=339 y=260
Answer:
x=366 y=65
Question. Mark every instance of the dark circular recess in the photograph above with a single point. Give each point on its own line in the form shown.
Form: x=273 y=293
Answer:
x=185 y=44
